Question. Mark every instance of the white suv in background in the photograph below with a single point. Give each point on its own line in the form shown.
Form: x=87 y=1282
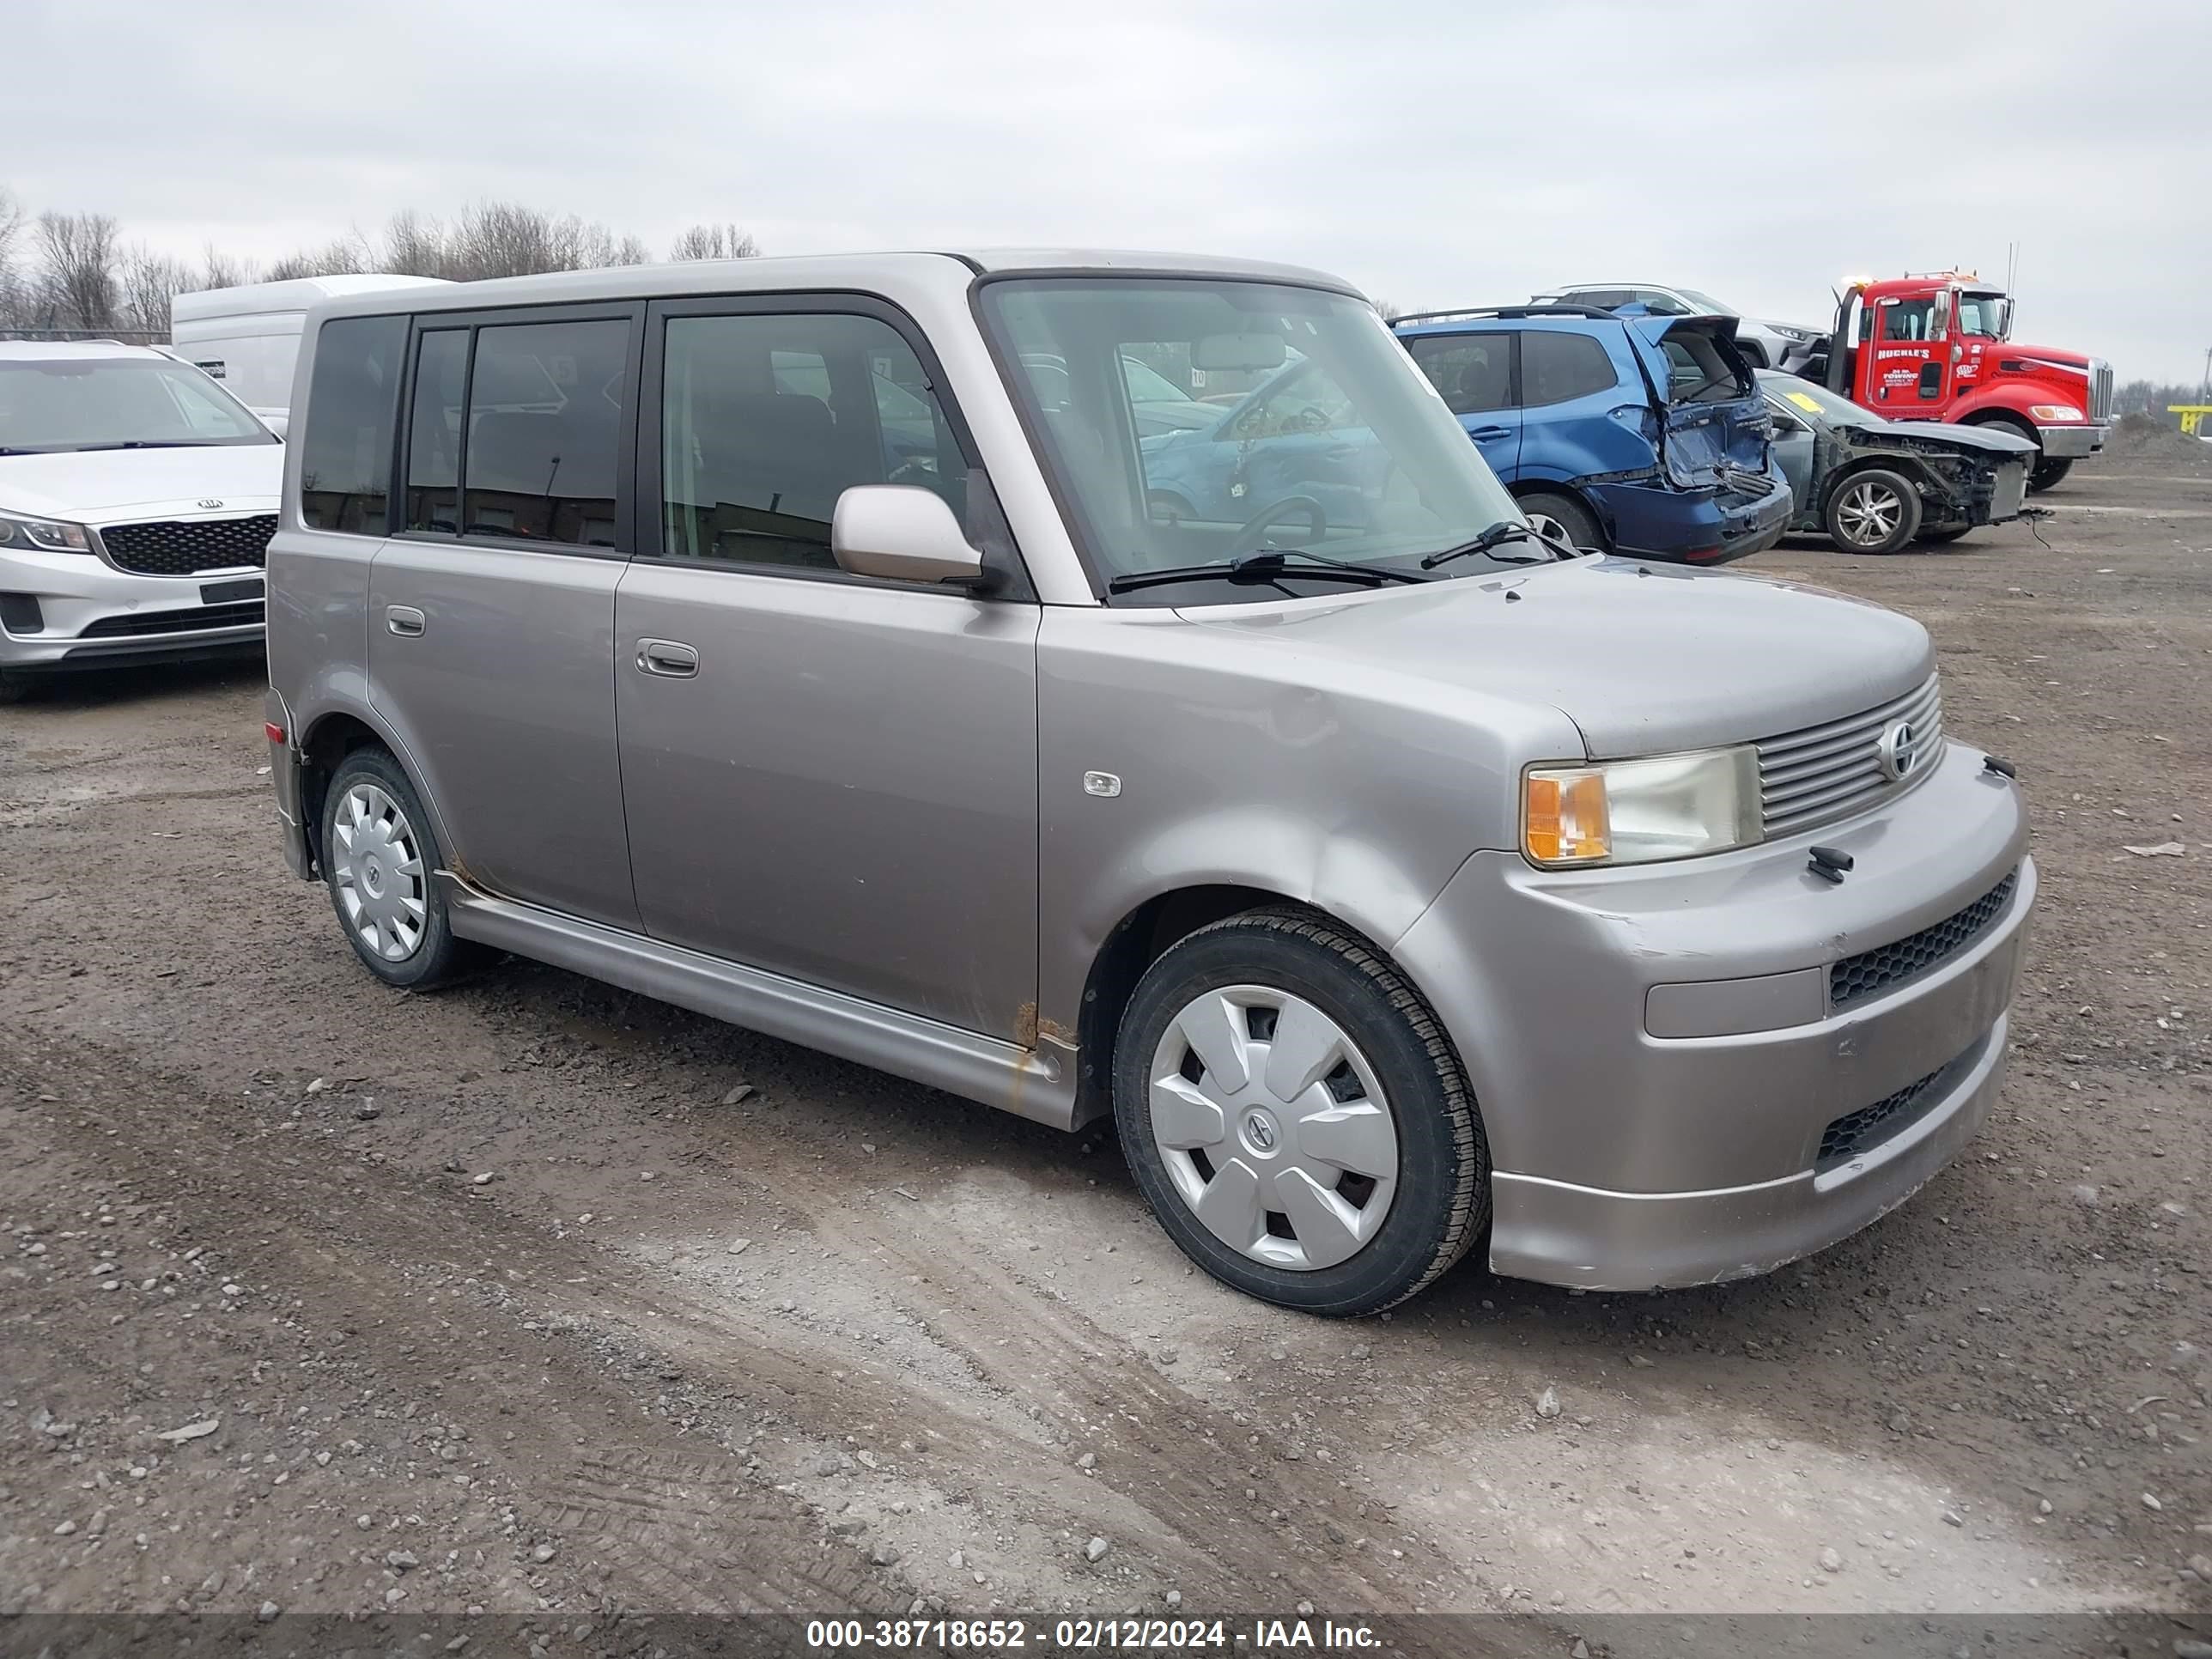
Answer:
x=1769 y=345
x=136 y=501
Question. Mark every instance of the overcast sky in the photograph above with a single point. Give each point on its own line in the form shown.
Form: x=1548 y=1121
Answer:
x=1437 y=152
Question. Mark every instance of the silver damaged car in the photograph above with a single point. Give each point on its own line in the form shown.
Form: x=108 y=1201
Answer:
x=801 y=642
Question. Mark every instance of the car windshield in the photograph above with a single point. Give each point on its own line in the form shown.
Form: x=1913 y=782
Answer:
x=1327 y=442
x=1986 y=314
x=1802 y=397
x=115 y=403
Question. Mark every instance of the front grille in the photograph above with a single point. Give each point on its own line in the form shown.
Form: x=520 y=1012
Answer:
x=140 y=622
x=180 y=547
x=2100 y=390
x=1853 y=1133
x=1826 y=772
x=1856 y=978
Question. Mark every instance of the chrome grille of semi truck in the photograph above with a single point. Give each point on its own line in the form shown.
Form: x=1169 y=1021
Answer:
x=2100 y=390
x=1829 y=771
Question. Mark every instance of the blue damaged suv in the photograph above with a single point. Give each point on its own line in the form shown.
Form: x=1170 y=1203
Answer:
x=1644 y=436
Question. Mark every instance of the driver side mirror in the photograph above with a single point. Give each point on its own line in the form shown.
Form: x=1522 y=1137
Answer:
x=901 y=533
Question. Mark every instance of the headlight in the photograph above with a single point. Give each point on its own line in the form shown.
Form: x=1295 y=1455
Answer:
x=2054 y=412
x=46 y=535
x=1797 y=333
x=1638 y=811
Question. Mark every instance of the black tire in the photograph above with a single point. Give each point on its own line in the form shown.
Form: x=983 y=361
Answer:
x=1873 y=510
x=1942 y=534
x=15 y=688
x=2049 y=471
x=1441 y=1204
x=1571 y=516
x=437 y=955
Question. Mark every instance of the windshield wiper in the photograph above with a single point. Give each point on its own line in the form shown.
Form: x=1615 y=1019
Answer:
x=1505 y=530
x=1266 y=566
x=145 y=443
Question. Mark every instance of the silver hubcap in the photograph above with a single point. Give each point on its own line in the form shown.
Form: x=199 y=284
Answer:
x=1273 y=1128
x=377 y=865
x=1550 y=528
x=1868 y=513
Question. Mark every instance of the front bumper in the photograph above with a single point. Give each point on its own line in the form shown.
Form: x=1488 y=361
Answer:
x=2071 y=442
x=90 y=615
x=1629 y=1161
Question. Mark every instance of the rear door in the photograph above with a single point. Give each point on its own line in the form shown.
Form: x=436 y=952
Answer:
x=827 y=776
x=1475 y=372
x=492 y=605
x=1715 y=417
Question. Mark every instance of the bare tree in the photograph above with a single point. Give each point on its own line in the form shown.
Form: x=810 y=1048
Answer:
x=631 y=251
x=77 y=274
x=349 y=254
x=149 y=282
x=725 y=241
x=221 y=269
x=11 y=231
x=414 y=244
x=1390 y=310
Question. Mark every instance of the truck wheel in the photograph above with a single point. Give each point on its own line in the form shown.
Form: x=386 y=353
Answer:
x=1297 y=1119
x=1564 y=517
x=1875 y=511
x=379 y=859
x=2048 y=472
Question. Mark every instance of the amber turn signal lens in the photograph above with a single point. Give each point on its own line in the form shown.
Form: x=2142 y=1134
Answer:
x=1565 y=819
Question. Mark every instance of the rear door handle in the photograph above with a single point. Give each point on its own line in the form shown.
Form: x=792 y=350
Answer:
x=1484 y=434
x=670 y=658
x=403 y=620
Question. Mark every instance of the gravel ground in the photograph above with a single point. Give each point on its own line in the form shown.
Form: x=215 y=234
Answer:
x=535 y=1297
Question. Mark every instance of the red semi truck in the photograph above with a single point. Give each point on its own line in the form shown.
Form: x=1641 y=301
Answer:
x=1938 y=346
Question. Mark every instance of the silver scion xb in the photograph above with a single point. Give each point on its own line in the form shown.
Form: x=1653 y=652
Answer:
x=813 y=643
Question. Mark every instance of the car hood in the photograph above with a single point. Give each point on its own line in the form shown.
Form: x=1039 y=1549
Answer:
x=103 y=486
x=1989 y=439
x=1644 y=659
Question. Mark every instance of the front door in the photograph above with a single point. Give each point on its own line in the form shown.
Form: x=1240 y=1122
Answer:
x=1913 y=368
x=825 y=776
x=492 y=606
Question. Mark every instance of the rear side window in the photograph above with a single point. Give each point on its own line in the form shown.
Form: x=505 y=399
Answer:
x=514 y=431
x=766 y=419
x=1556 y=368
x=345 y=452
x=1475 y=372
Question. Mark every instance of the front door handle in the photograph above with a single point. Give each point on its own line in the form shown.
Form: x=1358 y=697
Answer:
x=671 y=658
x=403 y=620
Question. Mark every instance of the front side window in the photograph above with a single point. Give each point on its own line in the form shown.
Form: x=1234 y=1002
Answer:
x=1911 y=319
x=52 y=405
x=1988 y=316
x=765 y=420
x=345 y=446
x=1475 y=372
x=1336 y=449
x=1557 y=368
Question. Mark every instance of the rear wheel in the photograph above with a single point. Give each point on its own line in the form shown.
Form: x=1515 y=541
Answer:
x=380 y=859
x=2048 y=472
x=1875 y=511
x=1563 y=518
x=1294 y=1117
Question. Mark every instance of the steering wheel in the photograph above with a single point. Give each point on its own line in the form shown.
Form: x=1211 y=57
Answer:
x=1312 y=418
x=1256 y=527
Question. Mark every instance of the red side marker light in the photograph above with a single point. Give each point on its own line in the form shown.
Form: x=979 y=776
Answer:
x=276 y=731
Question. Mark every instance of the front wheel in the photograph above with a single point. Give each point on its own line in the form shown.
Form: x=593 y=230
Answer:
x=1874 y=511
x=1295 y=1117
x=380 y=859
x=2049 y=471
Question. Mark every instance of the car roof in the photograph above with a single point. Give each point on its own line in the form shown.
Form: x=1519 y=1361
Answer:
x=943 y=268
x=55 y=351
